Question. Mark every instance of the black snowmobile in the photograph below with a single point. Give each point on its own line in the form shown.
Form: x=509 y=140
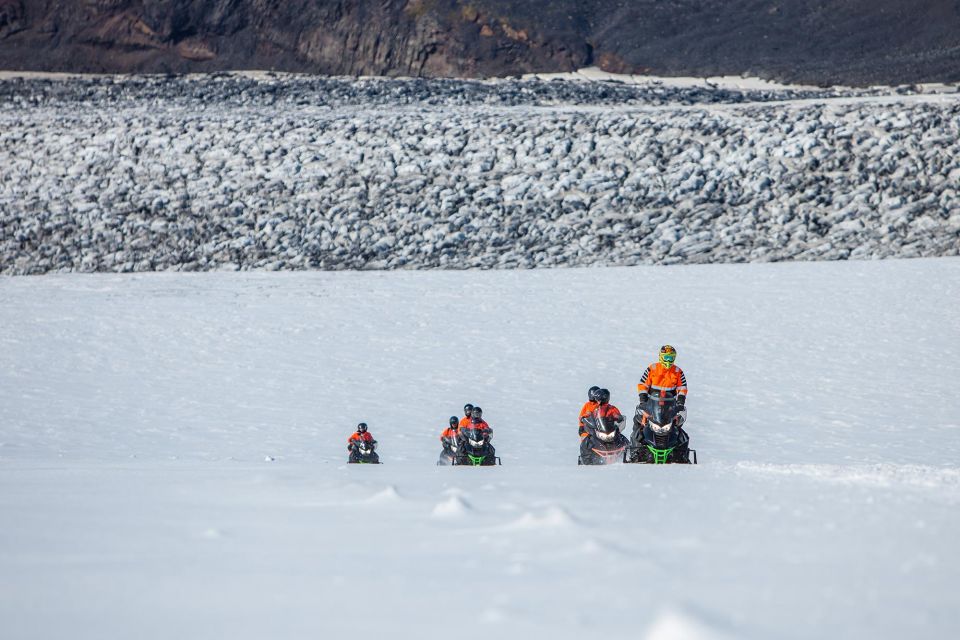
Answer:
x=658 y=436
x=604 y=443
x=362 y=452
x=475 y=449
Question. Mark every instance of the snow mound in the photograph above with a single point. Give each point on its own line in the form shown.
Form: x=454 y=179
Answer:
x=493 y=615
x=390 y=494
x=594 y=547
x=676 y=625
x=551 y=518
x=452 y=507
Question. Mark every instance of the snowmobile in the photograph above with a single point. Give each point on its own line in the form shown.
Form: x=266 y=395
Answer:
x=658 y=436
x=604 y=444
x=448 y=456
x=475 y=449
x=363 y=453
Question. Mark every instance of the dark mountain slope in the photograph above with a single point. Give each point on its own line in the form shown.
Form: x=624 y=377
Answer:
x=820 y=41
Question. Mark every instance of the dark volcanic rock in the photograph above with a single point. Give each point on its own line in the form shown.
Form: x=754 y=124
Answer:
x=840 y=41
x=355 y=37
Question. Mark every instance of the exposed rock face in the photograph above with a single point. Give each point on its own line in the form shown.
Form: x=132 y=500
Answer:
x=11 y=17
x=841 y=41
x=362 y=37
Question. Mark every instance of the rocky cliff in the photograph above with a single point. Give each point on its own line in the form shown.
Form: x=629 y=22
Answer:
x=819 y=41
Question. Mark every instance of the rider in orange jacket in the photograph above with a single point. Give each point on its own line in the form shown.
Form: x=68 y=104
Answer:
x=450 y=433
x=605 y=410
x=664 y=378
x=361 y=434
x=477 y=422
x=467 y=410
x=589 y=407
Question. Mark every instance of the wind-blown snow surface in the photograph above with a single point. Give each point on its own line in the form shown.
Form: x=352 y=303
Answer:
x=173 y=445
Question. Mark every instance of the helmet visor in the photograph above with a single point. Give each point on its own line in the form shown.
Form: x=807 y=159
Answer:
x=668 y=357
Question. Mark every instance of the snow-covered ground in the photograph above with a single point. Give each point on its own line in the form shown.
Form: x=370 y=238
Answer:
x=173 y=445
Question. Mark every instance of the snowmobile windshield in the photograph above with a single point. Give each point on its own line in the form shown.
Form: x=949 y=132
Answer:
x=476 y=438
x=662 y=410
x=608 y=425
x=605 y=425
x=365 y=447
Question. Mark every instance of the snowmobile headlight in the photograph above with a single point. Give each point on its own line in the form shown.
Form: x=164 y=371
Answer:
x=607 y=437
x=475 y=443
x=660 y=429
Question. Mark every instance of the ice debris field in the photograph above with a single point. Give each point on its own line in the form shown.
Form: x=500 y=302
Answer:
x=136 y=174
x=173 y=446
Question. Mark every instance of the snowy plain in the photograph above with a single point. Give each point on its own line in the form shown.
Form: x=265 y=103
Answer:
x=172 y=452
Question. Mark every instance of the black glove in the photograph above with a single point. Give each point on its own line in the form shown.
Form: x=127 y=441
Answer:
x=644 y=397
x=681 y=400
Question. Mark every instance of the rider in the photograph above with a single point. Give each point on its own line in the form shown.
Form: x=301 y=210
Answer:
x=589 y=407
x=467 y=410
x=450 y=433
x=477 y=422
x=361 y=435
x=607 y=410
x=605 y=424
x=664 y=378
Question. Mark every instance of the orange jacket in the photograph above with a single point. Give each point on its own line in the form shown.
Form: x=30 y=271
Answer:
x=357 y=437
x=610 y=411
x=464 y=422
x=588 y=408
x=482 y=425
x=605 y=410
x=449 y=433
x=657 y=379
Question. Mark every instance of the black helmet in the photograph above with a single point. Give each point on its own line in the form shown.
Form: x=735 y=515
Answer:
x=603 y=396
x=454 y=421
x=592 y=393
x=476 y=413
x=467 y=408
x=362 y=427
